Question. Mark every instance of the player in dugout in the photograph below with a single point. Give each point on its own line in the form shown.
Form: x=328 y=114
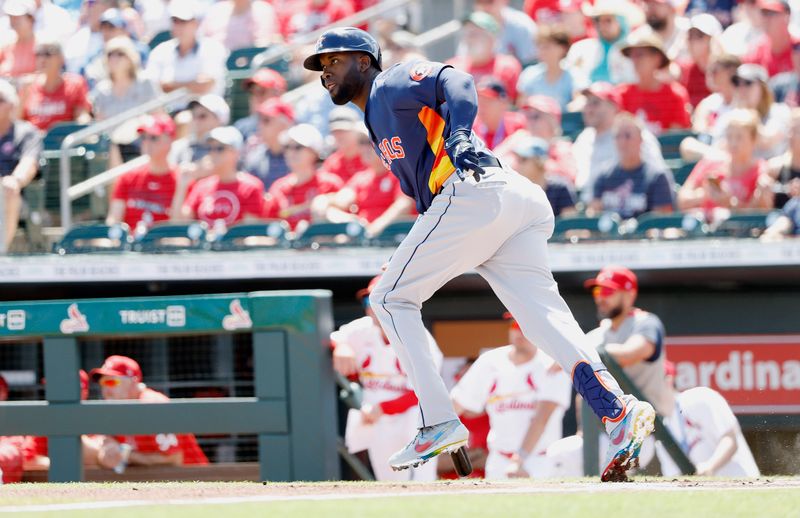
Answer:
x=120 y=378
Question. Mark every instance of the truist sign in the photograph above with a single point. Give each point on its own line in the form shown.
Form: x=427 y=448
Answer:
x=757 y=374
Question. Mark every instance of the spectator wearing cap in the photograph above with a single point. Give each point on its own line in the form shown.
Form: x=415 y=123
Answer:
x=208 y=112
x=752 y=93
x=305 y=16
x=786 y=85
x=719 y=79
x=595 y=149
x=495 y=121
x=238 y=24
x=87 y=41
x=20 y=145
x=599 y=59
x=17 y=57
x=112 y=26
x=632 y=186
x=702 y=40
x=563 y=13
x=478 y=39
x=721 y=10
x=773 y=50
x=143 y=196
x=372 y=197
x=344 y=127
x=54 y=96
x=188 y=60
x=266 y=159
x=228 y=195
x=291 y=196
x=120 y=379
x=736 y=181
x=663 y=20
x=265 y=84
x=543 y=120
x=517 y=31
x=549 y=77
x=52 y=21
x=633 y=337
x=663 y=105
x=740 y=36
x=530 y=160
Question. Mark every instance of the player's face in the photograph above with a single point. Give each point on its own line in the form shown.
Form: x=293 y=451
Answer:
x=610 y=303
x=341 y=76
x=117 y=387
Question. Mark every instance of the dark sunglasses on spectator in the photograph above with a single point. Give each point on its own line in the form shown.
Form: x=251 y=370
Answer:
x=199 y=115
x=178 y=21
x=627 y=135
x=152 y=138
x=294 y=146
x=738 y=81
x=533 y=115
x=796 y=47
x=45 y=53
x=217 y=149
x=116 y=53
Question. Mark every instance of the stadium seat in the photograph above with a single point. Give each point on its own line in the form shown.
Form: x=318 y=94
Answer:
x=586 y=228
x=393 y=234
x=240 y=59
x=749 y=224
x=669 y=226
x=682 y=172
x=94 y=238
x=671 y=142
x=33 y=214
x=319 y=235
x=159 y=38
x=571 y=124
x=174 y=237
x=249 y=236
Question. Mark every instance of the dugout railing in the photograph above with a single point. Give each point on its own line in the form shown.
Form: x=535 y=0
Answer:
x=292 y=412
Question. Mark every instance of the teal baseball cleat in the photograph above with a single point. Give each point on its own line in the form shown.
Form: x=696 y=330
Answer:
x=431 y=441
x=626 y=440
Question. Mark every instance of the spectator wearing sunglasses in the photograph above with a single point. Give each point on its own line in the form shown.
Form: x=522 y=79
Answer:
x=290 y=197
x=495 y=121
x=126 y=86
x=54 y=96
x=264 y=85
x=267 y=158
x=208 y=112
x=143 y=196
x=228 y=195
x=113 y=25
x=773 y=50
x=702 y=40
x=120 y=378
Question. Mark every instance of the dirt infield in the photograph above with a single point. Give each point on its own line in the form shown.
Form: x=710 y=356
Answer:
x=197 y=493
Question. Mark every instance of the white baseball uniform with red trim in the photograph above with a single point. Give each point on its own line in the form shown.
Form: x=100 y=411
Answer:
x=700 y=419
x=510 y=395
x=385 y=384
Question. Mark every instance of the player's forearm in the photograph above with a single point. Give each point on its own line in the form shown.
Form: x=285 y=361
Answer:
x=457 y=89
x=537 y=426
x=25 y=170
x=726 y=449
x=156 y=459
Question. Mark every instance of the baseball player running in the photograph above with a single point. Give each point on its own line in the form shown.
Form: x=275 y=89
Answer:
x=474 y=214
x=525 y=398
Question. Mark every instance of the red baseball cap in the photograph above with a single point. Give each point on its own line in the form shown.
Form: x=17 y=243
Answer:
x=360 y=294
x=513 y=321
x=543 y=104
x=778 y=6
x=615 y=278
x=266 y=78
x=491 y=87
x=118 y=366
x=274 y=107
x=604 y=91
x=158 y=124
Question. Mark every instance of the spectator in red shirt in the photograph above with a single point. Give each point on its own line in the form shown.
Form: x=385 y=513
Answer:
x=344 y=126
x=228 y=195
x=120 y=378
x=298 y=18
x=738 y=181
x=495 y=121
x=373 y=197
x=265 y=84
x=144 y=195
x=479 y=37
x=290 y=197
x=773 y=50
x=702 y=39
x=17 y=57
x=663 y=105
x=54 y=96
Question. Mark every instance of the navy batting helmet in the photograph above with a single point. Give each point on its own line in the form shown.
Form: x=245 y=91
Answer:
x=344 y=39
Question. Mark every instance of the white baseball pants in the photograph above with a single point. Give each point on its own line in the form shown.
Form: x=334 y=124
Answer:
x=499 y=227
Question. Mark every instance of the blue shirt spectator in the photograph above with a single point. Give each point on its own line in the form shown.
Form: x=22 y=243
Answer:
x=548 y=77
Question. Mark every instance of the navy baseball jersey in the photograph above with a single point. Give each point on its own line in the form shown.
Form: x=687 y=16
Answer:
x=409 y=121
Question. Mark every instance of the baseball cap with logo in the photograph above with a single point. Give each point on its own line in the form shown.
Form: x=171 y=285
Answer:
x=158 y=124
x=614 y=278
x=274 y=107
x=228 y=136
x=266 y=78
x=216 y=105
x=117 y=366
x=604 y=91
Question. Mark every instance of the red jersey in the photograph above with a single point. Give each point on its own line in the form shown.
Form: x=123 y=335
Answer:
x=34 y=446
x=742 y=187
x=375 y=192
x=344 y=167
x=147 y=196
x=11 y=458
x=292 y=202
x=43 y=109
x=164 y=443
x=694 y=80
x=512 y=122
x=212 y=200
x=503 y=67
x=761 y=54
x=303 y=16
x=662 y=109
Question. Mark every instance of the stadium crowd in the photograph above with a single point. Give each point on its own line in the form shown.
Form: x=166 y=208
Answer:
x=635 y=70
